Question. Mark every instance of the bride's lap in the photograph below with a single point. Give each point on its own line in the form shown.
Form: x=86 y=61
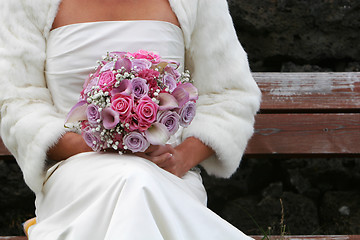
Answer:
x=90 y=175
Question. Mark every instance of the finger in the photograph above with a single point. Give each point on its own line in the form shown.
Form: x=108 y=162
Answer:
x=152 y=148
x=162 y=150
x=158 y=160
x=162 y=160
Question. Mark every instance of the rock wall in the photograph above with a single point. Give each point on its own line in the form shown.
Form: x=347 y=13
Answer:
x=319 y=196
x=299 y=35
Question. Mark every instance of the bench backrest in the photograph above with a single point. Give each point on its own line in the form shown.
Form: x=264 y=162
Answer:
x=304 y=114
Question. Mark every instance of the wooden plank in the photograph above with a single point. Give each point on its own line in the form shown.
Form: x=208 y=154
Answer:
x=301 y=134
x=306 y=134
x=13 y=238
x=3 y=150
x=304 y=91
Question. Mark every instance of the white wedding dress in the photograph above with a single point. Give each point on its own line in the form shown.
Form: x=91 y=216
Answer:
x=95 y=196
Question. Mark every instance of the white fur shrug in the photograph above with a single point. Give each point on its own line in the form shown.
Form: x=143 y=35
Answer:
x=229 y=97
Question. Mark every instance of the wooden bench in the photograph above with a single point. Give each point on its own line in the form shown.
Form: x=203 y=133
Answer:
x=302 y=115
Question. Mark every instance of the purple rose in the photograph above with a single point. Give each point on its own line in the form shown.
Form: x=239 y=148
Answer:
x=136 y=142
x=170 y=82
x=93 y=114
x=139 y=87
x=110 y=118
x=170 y=119
x=140 y=64
x=170 y=69
x=187 y=113
x=92 y=139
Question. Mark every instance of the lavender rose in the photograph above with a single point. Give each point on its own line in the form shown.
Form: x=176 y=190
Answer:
x=187 y=113
x=92 y=139
x=136 y=142
x=140 y=64
x=170 y=119
x=170 y=82
x=139 y=87
x=170 y=69
x=93 y=114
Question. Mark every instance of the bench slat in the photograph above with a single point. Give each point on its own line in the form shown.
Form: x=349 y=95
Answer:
x=305 y=134
x=3 y=150
x=309 y=91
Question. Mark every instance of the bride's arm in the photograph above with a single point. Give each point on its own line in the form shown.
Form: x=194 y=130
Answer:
x=228 y=95
x=29 y=121
x=68 y=145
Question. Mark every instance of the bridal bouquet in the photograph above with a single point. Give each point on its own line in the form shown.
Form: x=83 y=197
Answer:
x=133 y=100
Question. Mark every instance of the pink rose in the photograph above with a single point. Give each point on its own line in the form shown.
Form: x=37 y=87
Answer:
x=123 y=104
x=151 y=77
x=142 y=54
x=107 y=80
x=133 y=123
x=146 y=110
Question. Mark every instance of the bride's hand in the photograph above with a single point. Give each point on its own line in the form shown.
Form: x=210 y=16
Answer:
x=178 y=160
x=166 y=157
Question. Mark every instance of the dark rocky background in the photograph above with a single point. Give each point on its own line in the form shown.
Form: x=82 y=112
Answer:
x=319 y=196
x=299 y=35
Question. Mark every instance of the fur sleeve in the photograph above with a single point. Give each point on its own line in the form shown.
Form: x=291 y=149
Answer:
x=29 y=122
x=229 y=97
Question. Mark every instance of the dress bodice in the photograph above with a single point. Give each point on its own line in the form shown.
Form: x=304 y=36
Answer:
x=72 y=51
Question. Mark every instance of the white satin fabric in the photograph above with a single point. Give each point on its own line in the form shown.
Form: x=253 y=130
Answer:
x=95 y=196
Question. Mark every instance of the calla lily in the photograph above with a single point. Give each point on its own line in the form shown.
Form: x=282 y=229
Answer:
x=125 y=87
x=77 y=112
x=124 y=62
x=167 y=102
x=181 y=95
x=191 y=89
x=157 y=134
x=110 y=118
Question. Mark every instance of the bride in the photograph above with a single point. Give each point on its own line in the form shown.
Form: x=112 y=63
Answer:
x=48 y=48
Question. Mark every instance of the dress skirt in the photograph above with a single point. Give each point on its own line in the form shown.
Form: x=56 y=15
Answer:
x=95 y=196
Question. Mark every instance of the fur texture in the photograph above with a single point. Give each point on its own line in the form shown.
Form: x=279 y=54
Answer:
x=229 y=97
